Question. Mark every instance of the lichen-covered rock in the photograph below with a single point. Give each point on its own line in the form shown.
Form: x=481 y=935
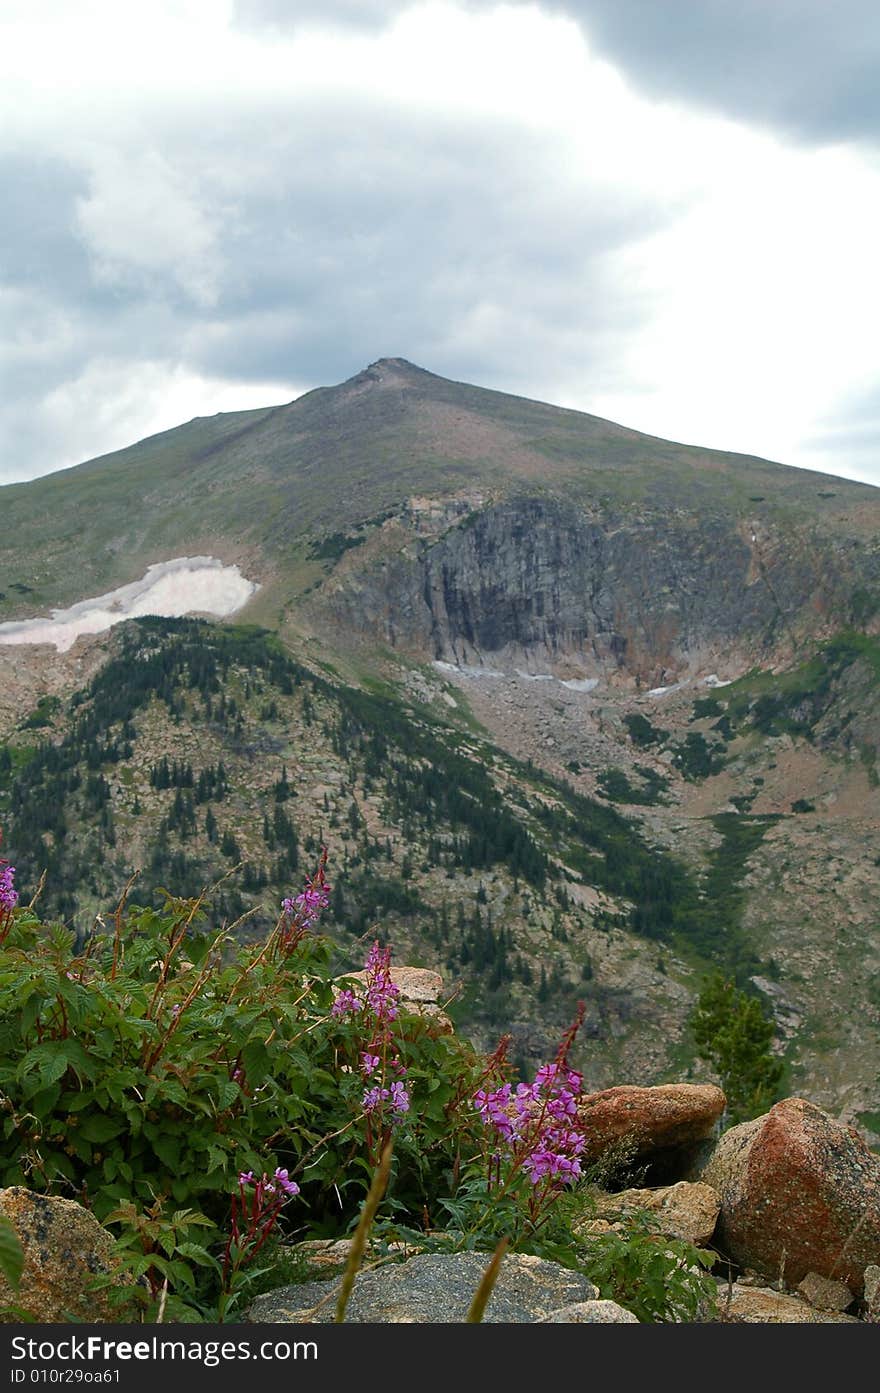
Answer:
x=688 y=1211
x=872 y=1293
x=433 y=1288
x=644 y=1123
x=592 y=1313
x=764 y=1306
x=825 y=1294
x=65 y=1248
x=799 y=1193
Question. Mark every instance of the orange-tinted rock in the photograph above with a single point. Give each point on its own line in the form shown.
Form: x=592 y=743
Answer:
x=65 y=1249
x=639 y=1122
x=799 y=1194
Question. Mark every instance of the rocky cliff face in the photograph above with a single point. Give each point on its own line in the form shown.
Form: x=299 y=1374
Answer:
x=648 y=595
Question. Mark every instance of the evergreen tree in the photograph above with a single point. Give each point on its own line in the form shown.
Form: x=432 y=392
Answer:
x=733 y=1033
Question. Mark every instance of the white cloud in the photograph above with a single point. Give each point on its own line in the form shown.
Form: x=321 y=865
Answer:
x=140 y=221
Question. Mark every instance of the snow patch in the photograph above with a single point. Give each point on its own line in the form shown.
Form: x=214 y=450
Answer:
x=713 y=680
x=170 y=589
x=535 y=676
x=581 y=684
x=664 y=691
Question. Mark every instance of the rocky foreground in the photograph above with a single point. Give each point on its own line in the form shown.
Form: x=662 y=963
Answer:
x=789 y=1201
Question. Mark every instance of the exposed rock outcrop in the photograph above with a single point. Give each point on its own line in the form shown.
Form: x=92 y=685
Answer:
x=799 y=1194
x=824 y=1294
x=65 y=1249
x=419 y=990
x=591 y=1313
x=639 y=589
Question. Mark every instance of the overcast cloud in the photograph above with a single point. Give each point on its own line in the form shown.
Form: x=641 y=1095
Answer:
x=665 y=214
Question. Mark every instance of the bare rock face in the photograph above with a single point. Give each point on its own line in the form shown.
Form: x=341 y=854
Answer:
x=688 y=1211
x=543 y=576
x=648 y=1123
x=433 y=1288
x=65 y=1248
x=799 y=1194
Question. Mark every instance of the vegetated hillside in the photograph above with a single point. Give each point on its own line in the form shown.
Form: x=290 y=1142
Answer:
x=196 y=748
x=484 y=595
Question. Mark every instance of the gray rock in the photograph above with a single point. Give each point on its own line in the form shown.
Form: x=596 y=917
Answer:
x=433 y=1288
x=592 y=1313
x=872 y=1293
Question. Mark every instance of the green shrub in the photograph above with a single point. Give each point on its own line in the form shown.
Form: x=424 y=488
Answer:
x=661 y=1280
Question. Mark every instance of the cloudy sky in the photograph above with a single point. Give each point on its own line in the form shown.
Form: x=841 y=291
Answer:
x=666 y=212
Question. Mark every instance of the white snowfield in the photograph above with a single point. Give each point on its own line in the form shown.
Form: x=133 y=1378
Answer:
x=170 y=589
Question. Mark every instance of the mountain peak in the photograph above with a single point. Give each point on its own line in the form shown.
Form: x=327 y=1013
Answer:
x=386 y=371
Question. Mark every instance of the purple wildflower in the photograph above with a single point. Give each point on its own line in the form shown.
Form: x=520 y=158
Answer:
x=374 y=1098
x=369 y=1063
x=8 y=893
x=289 y=1186
x=399 y=1098
x=381 y=993
x=345 y=1001
x=536 y=1122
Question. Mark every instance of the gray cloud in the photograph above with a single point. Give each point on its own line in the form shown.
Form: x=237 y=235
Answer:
x=285 y=17
x=806 y=67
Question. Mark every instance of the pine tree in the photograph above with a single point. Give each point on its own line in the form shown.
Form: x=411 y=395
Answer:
x=734 y=1034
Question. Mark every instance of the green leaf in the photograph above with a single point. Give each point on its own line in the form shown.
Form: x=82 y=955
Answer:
x=11 y=1253
x=256 y=1060
x=168 y=1151
x=197 y=1254
x=228 y=1092
x=100 y=1128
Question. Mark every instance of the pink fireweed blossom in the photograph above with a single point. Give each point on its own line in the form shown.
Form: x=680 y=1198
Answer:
x=369 y=1063
x=381 y=993
x=345 y=1002
x=535 y=1125
x=8 y=893
x=374 y=1100
x=255 y=1210
x=300 y=913
x=378 y=996
x=399 y=1098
